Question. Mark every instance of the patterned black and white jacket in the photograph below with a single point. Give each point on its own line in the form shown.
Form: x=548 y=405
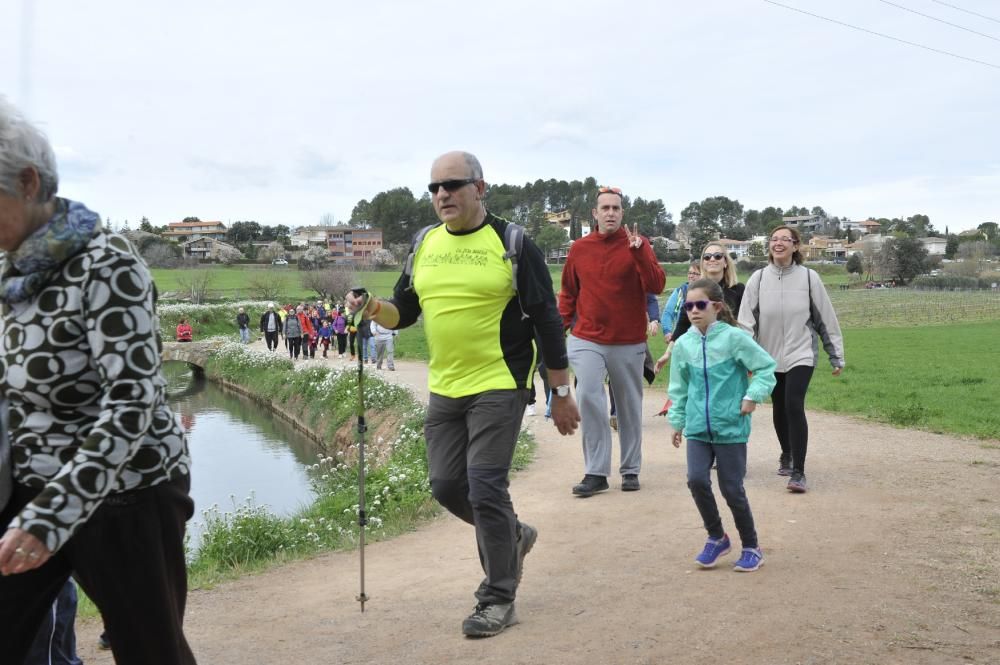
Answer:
x=80 y=368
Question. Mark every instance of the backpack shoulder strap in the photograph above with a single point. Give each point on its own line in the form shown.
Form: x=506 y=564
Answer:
x=408 y=266
x=809 y=282
x=759 y=274
x=513 y=240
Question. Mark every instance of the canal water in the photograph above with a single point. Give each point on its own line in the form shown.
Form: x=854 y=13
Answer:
x=239 y=450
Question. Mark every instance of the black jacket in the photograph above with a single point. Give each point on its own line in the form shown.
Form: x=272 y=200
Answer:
x=263 y=321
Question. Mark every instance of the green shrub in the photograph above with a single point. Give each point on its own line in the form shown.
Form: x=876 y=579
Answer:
x=945 y=283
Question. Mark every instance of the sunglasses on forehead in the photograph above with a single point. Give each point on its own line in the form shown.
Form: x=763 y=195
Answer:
x=450 y=185
x=718 y=256
x=700 y=304
x=609 y=190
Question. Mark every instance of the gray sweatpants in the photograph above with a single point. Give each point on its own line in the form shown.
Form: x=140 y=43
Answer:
x=622 y=364
x=385 y=350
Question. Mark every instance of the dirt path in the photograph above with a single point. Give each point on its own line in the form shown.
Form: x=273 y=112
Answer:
x=892 y=557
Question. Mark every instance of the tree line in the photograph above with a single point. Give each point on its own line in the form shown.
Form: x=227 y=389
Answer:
x=399 y=214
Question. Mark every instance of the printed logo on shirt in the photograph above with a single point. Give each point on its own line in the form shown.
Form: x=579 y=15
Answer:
x=458 y=257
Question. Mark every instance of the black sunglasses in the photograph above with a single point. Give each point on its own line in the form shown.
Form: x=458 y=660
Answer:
x=450 y=185
x=718 y=256
x=700 y=304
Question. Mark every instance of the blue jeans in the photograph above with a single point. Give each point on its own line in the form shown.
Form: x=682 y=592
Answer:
x=368 y=349
x=245 y=335
x=55 y=643
x=731 y=459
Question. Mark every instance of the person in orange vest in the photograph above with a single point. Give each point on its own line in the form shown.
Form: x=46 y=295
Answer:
x=307 y=332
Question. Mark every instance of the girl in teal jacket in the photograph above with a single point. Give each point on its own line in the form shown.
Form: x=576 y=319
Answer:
x=712 y=401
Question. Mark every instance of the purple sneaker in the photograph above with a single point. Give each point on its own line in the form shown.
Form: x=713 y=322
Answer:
x=750 y=560
x=713 y=550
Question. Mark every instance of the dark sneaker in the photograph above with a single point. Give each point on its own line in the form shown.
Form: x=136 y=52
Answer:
x=590 y=485
x=525 y=541
x=784 y=466
x=713 y=550
x=103 y=643
x=630 y=482
x=613 y=421
x=797 y=483
x=750 y=560
x=489 y=619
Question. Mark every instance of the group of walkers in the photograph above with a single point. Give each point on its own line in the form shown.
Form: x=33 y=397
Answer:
x=96 y=487
x=730 y=346
x=327 y=328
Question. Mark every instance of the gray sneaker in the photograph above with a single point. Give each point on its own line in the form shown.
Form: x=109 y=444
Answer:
x=489 y=619
x=526 y=540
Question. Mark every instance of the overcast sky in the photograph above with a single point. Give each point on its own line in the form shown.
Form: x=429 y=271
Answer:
x=280 y=112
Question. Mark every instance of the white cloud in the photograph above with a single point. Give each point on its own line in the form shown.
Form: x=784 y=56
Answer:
x=246 y=110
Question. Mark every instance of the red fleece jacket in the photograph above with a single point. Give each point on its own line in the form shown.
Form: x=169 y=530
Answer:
x=604 y=287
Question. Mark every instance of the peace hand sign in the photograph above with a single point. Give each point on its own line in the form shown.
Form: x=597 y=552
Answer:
x=634 y=239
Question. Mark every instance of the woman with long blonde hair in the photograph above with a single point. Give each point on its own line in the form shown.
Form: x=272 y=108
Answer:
x=717 y=266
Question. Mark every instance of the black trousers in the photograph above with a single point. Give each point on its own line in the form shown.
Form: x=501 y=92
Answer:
x=129 y=558
x=732 y=462
x=470 y=445
x=272 y=340
x=789 y=414
x=341 y=343
x=293 y=346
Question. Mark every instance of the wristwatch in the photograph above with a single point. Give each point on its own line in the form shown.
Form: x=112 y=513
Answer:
x=561 y=391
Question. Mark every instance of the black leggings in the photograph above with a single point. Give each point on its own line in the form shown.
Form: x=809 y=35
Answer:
x=789 y=410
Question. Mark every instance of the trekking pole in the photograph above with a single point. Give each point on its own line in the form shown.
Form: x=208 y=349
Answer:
x=362 y=428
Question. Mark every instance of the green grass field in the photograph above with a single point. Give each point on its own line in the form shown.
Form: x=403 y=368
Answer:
x=234 y=283
x=937 y=378
x=915 y=358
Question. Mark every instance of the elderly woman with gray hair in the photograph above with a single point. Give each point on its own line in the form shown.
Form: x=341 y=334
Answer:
x=99 y=461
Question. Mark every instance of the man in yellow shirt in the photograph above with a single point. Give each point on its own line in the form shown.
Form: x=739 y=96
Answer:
x=479 y=336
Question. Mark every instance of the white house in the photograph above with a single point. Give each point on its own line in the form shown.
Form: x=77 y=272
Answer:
x=563 y=219
x=206 y=248
x=737 y=247
x=304 y=236
x=803 y=222
x=935 y=246
x=863 y=227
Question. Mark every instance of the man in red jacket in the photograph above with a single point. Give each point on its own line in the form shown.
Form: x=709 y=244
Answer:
x=603 y=301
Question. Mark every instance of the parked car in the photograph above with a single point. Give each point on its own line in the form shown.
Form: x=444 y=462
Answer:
x=279 y=262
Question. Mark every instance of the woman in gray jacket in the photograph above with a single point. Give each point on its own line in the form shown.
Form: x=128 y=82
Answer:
x=293 y=334
x=789 y=311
